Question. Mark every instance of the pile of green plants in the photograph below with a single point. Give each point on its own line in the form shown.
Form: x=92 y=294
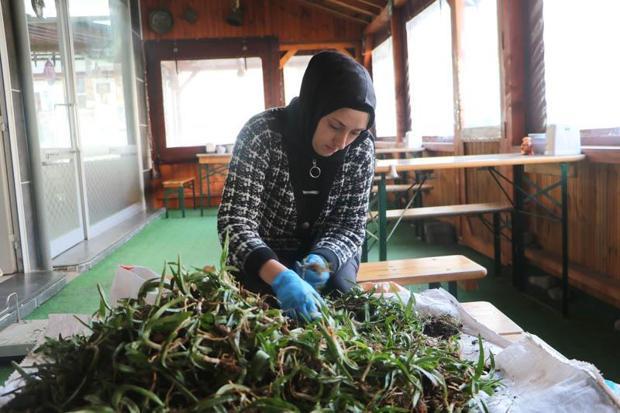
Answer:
x=206 y=344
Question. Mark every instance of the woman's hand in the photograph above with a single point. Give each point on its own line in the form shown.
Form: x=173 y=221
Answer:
x=297 y=296
x=314 y=270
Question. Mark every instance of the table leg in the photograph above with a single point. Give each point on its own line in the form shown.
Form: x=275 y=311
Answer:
x=452 y=288
x=166 y=201
x=382 y=220
x=207 y=177
x=564 y=168
x=181 y=197
x=497 y=244
x=193 y=195
x=202 y=212
x=518 y=275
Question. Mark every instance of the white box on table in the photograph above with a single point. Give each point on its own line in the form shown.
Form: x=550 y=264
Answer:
x=563 y=140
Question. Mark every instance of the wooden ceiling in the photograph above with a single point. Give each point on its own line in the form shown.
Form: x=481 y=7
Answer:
x=361 y=11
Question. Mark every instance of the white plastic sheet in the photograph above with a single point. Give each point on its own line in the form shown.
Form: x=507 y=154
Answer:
x=539 y=379
x=128 y=280
x=536 y=377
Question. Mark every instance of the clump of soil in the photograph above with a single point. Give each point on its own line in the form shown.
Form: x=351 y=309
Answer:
x=443 y=327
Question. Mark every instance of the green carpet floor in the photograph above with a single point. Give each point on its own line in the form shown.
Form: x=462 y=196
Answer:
x=587 y=334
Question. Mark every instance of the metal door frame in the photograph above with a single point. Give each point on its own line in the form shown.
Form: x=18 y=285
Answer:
x=6 y=201
x=67 y=56
x=17 y=214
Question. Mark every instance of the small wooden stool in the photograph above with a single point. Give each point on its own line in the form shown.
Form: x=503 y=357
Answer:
x=178 y=186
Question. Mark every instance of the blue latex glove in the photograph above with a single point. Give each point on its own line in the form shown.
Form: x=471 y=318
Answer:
x=306 y=271
x=615 y=387
x=297 y=296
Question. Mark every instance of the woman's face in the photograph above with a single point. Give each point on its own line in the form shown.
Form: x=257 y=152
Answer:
x=338 y=129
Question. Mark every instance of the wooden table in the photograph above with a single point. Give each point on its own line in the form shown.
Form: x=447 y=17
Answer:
x=210 y=164
x=382 y=150
x=519 y=196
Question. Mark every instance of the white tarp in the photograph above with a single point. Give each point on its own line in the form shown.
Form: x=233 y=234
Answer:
x=535 y=377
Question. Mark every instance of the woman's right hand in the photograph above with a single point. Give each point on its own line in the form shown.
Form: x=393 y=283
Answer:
x=297 y=296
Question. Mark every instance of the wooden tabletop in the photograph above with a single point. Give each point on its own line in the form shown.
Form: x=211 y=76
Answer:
x=214 y=158
x=397 y=149
x=470 y=161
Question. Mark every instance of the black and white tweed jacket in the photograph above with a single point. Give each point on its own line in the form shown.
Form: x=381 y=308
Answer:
x=258 y=208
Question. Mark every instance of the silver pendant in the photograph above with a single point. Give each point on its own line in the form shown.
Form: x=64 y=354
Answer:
x=315 y=171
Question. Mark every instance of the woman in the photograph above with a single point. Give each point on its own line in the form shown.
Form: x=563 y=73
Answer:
x=298 y=188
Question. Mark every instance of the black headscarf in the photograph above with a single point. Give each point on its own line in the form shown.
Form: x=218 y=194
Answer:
x=332 y=81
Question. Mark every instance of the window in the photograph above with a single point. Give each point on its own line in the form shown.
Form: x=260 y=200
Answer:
x=479 y=82
x=429 y=43
x=581 y=63
x=209 y=100
x=102 y=72
x=383 y=80
x=293 y=75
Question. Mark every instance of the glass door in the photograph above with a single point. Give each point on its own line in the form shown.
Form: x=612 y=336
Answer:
x=60 y=169
x=84 y=94
x=102 y=58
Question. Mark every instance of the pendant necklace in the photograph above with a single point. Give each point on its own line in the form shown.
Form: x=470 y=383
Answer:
x=314 y=171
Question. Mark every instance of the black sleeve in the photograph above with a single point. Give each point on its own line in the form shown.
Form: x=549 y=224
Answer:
x=241 y=208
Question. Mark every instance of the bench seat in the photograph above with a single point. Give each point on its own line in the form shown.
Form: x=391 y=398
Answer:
x=177 y=183
x=444 y=211
x=487 y=314
x=177 y=186
x=403 y=188
x=431 y=270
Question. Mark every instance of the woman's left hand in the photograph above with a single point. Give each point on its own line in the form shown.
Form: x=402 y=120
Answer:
x=314 y=270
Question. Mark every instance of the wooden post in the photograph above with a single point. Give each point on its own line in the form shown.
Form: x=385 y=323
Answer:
x=401 y=78
x=511 y=15
x=367 y=53
x=457 y=14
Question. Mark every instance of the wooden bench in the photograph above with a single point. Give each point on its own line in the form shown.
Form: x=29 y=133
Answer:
x=431 y=270
x=423 y=213
x=403 y=188
x=487 y=314
x=178 y=186
x=444 y=211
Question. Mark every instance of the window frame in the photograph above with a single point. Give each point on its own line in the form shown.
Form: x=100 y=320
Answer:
x=266 y=48
x=386 y=38
x=607 y=138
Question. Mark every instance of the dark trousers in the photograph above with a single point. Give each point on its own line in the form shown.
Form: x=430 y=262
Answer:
x=339 y=282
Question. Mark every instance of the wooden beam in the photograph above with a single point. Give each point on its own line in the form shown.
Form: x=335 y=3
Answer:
x=287 y=56
x=346 y=52
x=318 y=46
x=511 y=17
x=401 y=84
x=372 y=4
x=311 y=3
x=383 y=19
x=457 y=10
x=352 y=7
x=378 y=23
x=367 y=53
